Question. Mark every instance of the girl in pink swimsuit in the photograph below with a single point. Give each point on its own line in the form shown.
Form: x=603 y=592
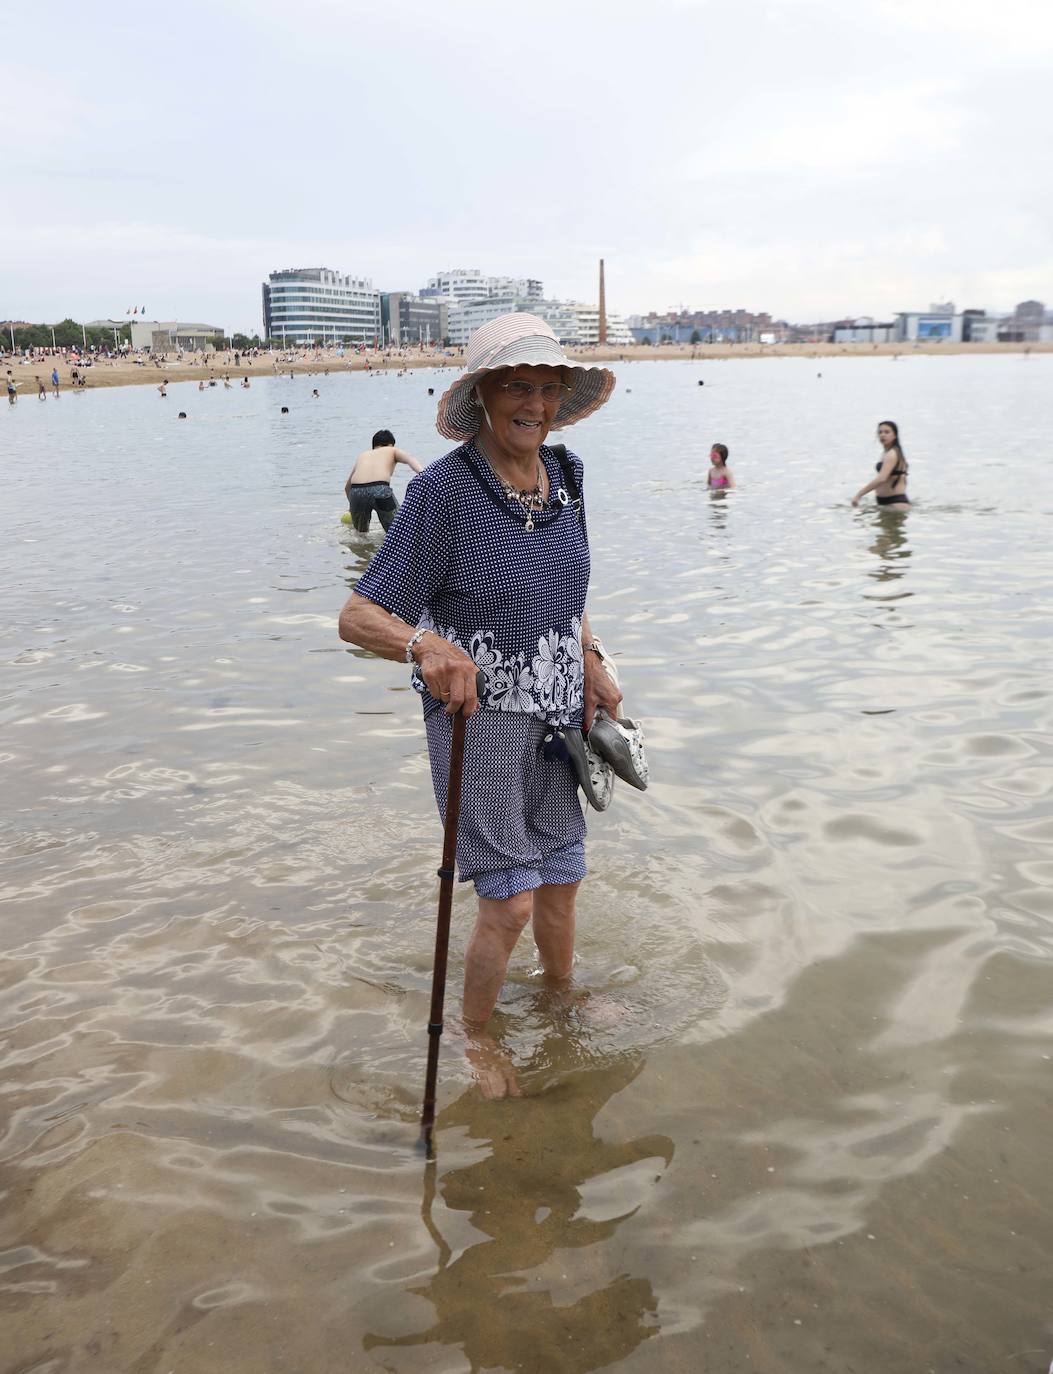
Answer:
x=719 y=477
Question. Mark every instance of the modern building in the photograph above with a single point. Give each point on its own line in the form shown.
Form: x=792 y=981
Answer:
x=938 y=323
x=462 y=284
x=171 y=336
x=407 y=318
x=699 y=326
x=575 y=322
x=313 y=304
x=865 y=330
x=571 y=321
x=164 y=336
x=1030 y=322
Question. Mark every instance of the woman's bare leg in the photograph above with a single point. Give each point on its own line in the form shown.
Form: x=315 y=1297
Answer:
x=497 y=928
x=554 y=928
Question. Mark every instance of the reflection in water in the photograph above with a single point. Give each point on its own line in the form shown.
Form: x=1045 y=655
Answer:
x=718 y=512
x=517 y=1299
x=892 y=549
x=890 y=545
x=360 y=548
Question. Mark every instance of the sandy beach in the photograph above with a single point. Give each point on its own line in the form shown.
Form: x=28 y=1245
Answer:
x=128 y=372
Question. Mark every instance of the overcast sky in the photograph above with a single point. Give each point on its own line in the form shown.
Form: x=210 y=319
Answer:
x=811 y=158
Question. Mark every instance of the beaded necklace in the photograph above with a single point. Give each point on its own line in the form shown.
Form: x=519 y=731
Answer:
x=527 y=501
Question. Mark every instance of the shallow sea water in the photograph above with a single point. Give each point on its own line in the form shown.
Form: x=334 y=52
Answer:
x=800 y=1122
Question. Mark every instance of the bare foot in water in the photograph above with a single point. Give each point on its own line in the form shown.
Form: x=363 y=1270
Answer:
x=491 y=1066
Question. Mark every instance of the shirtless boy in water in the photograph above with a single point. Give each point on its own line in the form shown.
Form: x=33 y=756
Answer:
x=368 y=488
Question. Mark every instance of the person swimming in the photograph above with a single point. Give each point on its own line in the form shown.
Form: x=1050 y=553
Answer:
x=890 y=484
x=719 y=477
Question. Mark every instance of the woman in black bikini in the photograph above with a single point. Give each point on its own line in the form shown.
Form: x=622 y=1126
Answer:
x=890 y=484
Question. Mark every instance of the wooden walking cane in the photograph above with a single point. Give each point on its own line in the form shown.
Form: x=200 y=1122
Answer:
x=447 y=874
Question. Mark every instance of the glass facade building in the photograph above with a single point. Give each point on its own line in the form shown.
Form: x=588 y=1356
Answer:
x=312 y=304
x=409 y=319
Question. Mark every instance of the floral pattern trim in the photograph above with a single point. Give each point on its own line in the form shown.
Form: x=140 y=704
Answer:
x=549 y=683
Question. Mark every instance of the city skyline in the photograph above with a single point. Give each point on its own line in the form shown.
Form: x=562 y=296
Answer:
x=811 y=161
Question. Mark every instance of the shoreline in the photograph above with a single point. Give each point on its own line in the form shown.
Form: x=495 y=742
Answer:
x=113 y=372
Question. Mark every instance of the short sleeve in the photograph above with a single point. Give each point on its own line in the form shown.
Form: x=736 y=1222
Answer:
x=411 y=564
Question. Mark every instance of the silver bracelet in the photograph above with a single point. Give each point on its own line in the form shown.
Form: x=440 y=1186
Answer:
x=412 y=644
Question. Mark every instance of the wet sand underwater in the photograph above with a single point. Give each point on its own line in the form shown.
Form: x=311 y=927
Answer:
x=799 y=1119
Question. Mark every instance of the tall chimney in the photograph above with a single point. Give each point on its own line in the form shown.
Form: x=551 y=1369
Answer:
x=603 y=307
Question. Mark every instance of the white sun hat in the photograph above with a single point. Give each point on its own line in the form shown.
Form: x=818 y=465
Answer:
x=511 y=341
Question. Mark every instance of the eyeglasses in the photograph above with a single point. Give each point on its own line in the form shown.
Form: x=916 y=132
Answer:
x=520 y=390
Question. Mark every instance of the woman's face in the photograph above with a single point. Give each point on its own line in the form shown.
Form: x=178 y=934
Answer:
x=715 y=458
x=886 y=434
x=520 y=425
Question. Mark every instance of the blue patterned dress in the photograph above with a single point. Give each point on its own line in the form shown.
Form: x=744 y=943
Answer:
x=459 y=560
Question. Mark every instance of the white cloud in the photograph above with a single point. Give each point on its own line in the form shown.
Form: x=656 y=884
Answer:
x=1008 y=29
x=854 y=133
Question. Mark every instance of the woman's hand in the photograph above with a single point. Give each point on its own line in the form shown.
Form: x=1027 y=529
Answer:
x=448 y=673
x=855 y=499
x=599 y=690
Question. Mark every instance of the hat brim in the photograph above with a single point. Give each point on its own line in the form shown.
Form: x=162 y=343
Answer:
x=459 y=416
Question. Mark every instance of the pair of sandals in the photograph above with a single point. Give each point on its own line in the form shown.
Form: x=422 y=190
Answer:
x=611 y=748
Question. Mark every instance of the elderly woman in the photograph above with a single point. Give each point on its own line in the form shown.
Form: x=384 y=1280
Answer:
x=486 y=567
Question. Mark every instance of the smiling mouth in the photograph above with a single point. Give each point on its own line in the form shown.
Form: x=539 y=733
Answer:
x=528 y=424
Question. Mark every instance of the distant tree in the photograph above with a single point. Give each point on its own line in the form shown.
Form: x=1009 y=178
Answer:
x=243 y=341
x=32 y=336
x=696 y=337
x=666 y=338
x=68 y=334
x=647 y=340
x=102 y=336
